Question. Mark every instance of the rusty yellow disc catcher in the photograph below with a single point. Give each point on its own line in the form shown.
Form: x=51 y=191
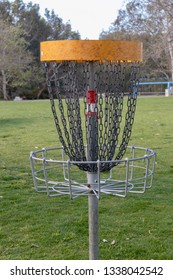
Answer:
x=91 y=50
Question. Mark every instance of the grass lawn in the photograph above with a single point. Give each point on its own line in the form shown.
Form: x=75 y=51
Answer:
x=34 y=226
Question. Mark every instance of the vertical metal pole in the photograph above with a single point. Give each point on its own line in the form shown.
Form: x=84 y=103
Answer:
x=93 y=221
x=92 y=155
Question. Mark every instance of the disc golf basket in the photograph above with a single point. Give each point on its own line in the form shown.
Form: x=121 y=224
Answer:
x=93 y=92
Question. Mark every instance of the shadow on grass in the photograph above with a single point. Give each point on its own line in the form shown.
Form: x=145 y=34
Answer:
x=14 y=122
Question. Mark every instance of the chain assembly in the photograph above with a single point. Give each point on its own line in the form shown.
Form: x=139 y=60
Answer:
x=108 y=107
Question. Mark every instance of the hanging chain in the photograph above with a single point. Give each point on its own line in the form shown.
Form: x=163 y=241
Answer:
x=114 y=83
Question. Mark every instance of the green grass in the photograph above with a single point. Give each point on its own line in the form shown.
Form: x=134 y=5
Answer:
x=34 y=226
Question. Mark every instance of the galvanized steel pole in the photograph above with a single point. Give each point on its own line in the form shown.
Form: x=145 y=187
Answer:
x=92 y=155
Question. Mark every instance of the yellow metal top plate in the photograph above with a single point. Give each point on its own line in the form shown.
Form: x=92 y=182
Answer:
x=91 y=50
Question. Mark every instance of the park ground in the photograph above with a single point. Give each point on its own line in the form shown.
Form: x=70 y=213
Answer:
x=34 y=226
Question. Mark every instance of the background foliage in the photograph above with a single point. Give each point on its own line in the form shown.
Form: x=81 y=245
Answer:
x=149 y=21
x=32 y=28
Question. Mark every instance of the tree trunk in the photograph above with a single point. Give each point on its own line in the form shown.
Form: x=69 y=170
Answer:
x=41 y=91
x=4 y=85
x=172 y=64
x=170 y=47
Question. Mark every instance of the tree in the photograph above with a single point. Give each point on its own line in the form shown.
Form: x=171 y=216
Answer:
x=5 y=11
x=14 y=57
x=35 y=28
x=58 y=29
x=27 y=17
x=38 y=28
x=150 y=21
